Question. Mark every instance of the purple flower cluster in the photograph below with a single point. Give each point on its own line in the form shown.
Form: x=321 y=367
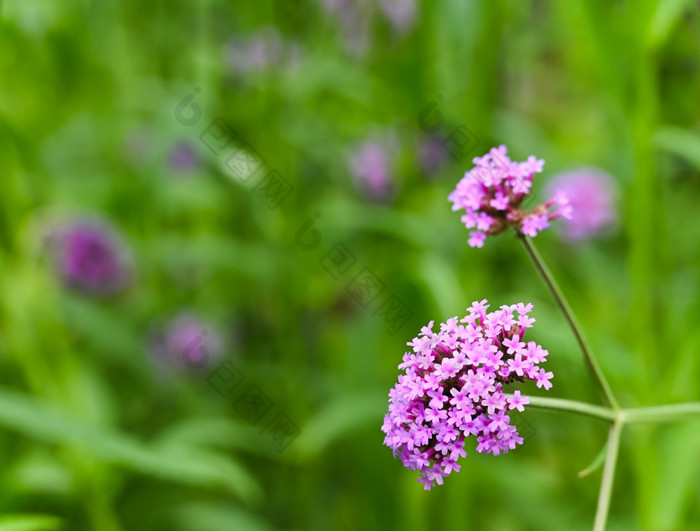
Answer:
x=493 y=191
x=453 y=388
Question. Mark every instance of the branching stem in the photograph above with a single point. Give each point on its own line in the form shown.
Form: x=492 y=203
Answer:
x=613 y=414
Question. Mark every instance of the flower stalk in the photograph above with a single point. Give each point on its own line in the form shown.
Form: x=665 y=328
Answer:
x=572 y=406
x=636 y=415
x=556 y=292
x=606 y=484
x=668 y=413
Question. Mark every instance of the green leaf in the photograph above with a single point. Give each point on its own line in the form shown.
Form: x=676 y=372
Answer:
x=29 y=522
x=179 y=464
x=598 y=461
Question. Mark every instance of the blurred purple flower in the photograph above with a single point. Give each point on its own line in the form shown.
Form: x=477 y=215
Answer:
x=592 y=194
x=370 y=166
x=91 y=257
x=353 y=17
x=432 y=154
x=264 y=48
x=185 y=342
x=184 y=158
x=401 y=14
x=335 y=6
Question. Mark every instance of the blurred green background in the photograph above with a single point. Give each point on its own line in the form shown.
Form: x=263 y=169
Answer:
x=94 y=435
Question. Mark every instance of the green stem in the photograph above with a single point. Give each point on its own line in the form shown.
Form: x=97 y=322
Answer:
x=546 y=275
x=601 y=514
x=636 y=415
x=667 y=413
x=572 y=406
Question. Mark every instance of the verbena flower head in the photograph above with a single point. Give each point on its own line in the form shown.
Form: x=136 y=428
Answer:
x=91 y=257
x=185 y=342
x=592 y=193
x=453 y=387
x=492 y=194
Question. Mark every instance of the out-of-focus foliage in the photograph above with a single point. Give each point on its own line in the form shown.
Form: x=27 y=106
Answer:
x=351 y=104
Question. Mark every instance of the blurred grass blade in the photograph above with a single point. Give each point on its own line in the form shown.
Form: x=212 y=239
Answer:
x=665 y=17
x=29 y=522
x=215 y=517
x=182 y=465
x=207 y=432
x=341 y=417
x=679 y=459
x=681 y=142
